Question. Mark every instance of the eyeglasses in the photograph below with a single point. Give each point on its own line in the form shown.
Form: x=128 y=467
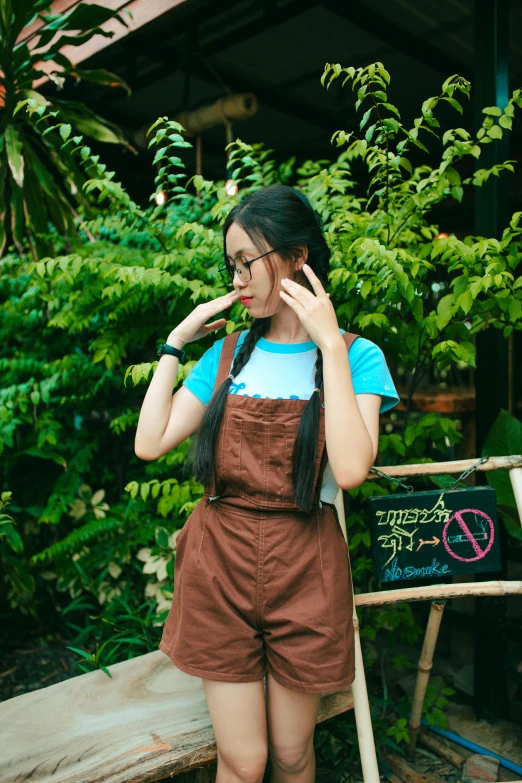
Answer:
x=241 y=266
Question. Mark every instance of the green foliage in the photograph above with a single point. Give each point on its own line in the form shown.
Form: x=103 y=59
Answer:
x=435 y=702
x=40 y=183
x=20 y=582
x=505 y=437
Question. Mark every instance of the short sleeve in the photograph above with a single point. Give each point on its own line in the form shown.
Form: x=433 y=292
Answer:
x=202 y=378
x=370 y=373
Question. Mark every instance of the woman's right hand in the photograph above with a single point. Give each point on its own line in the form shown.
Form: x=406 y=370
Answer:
x=194 y=326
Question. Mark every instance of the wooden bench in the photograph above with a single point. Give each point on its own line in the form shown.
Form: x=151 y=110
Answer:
x=150 y=720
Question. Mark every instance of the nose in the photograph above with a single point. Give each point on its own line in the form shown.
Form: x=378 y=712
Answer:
x=237 y=282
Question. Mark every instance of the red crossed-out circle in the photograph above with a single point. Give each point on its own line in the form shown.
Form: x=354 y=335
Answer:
x=479 y=553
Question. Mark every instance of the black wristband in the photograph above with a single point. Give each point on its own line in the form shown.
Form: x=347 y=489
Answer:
x=166 y=348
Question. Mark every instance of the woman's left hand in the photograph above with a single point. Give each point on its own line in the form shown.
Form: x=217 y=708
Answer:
x=316 y=313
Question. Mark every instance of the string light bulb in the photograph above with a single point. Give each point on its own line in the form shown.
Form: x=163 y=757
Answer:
x=160 y=198
x=231 y=187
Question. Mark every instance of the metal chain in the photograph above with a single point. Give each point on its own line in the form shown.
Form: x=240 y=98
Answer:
x=467 y=472
x=411 y=489
x=393 y=480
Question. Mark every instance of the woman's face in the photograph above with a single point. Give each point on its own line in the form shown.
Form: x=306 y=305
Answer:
x=262 y=304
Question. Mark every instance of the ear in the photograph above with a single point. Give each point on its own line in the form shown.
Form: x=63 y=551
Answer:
x=301 y=257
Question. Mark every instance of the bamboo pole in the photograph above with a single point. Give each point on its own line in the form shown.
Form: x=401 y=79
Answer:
x=402 y=769
x=433 y=592
x=423 y=674
x=515 y=475
x=454 y=466
x=442 y=750
x=361 y=704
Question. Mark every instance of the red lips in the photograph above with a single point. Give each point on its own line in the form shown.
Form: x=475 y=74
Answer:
x=246 y=299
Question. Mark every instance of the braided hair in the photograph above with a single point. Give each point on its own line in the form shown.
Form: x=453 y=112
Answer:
x=277 y=216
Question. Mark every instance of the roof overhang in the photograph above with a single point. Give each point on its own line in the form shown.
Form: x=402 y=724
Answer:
x=141 y=13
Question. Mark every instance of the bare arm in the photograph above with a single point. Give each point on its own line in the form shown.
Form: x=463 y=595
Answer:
x=165 y=420
x=351 y=425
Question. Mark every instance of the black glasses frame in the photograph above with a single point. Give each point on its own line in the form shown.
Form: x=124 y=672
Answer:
x=227 y=270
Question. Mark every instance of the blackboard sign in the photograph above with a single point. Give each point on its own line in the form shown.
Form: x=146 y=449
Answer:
x=434 y=534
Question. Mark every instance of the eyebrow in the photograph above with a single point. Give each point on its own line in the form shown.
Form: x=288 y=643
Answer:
x=243 y=250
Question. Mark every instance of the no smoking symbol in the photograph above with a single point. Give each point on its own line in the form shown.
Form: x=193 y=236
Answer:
x=466 y=536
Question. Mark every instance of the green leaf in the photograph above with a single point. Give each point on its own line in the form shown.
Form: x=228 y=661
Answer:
x=162 y=537
x=365 y=289
x=456 y=105
x=515 y=309
x=495 y=132
x=101 y=76
x=15 y=158
x=159 y=121
x=67 y=40
x=83 y=653
x=366 y=117
x=96 y=130
x=84 y=16
x=65 y=131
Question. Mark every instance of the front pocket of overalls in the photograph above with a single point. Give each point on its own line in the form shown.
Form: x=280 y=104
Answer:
x=257 y=460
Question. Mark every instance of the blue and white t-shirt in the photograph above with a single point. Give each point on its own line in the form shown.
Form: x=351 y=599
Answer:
x=284 y=371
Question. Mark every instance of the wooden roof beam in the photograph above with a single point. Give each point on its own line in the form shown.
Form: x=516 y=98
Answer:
x=386 y=30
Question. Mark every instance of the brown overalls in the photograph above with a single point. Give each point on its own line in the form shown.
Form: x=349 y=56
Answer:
x=260 y=586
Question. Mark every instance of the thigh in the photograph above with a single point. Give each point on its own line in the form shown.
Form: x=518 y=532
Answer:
x=238 y=714
x=291 y=720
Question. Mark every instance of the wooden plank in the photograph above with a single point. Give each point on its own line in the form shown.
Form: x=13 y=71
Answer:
x=147 y=722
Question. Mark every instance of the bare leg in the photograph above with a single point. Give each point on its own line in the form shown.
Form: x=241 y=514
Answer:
x=291 y=718
x=238 y=714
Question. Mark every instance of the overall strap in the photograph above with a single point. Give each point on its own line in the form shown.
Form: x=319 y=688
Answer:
x=349 y=338
x=225 y=360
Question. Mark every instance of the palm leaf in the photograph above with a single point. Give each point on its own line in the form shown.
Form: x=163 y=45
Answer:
x=3 y=212
x=83 y=16
x=15 y=158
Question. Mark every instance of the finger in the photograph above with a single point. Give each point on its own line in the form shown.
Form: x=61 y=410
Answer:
x=215 y=325
x=294 y=304
x=316 y=283
x=298 y=291
x=223 y=302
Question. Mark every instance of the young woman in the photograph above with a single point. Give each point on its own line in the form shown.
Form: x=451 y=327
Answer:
x=285 y=414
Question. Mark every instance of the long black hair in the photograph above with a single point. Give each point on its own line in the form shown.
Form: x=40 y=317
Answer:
x=279 y=217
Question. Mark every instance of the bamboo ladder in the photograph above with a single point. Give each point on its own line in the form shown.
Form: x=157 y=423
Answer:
x=435 y=593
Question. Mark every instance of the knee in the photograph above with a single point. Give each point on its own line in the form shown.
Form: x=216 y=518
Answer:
x=247 y=766
x=292 y=759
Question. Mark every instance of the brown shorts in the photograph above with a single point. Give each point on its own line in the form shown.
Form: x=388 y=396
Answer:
x=260 y=591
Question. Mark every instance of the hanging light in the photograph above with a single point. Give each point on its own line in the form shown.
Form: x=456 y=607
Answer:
x=231 y=187
x=160 y=198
